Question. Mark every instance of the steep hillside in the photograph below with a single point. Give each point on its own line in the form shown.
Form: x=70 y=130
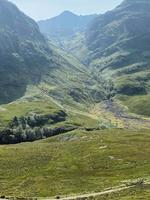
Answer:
x=24 y=53
x=27 y=58
x=65 y=26
x=118 y=42
x=116 y=47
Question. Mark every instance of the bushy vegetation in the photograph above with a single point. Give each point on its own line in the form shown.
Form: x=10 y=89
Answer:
x=18 y=135
x=33 y=128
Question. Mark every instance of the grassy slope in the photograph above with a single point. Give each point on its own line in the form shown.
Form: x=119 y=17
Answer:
x=37 y=102
x=72 y=83
x=127 y=79
x=77 y=162
x=26 y=106
x=137 y=104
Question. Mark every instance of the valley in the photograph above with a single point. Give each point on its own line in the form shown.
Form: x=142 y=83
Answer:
x=75 y=104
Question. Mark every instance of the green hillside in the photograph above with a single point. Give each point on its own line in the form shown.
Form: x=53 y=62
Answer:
x=61 y=87
x=115 y=48
x=78 y=162
x=118 y=46
x=56 y=80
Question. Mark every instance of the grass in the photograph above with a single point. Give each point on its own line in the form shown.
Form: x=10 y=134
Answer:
x=73 y=163
x=26 y=107
x=138 y=104
x=83 y=120
x=35 y=102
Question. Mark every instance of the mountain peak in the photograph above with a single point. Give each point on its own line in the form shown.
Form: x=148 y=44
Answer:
x=67 y=13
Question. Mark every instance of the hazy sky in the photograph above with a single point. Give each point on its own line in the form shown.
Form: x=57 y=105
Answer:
x=42 y=9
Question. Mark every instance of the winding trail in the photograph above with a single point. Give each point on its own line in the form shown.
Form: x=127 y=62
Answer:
x=96 y=194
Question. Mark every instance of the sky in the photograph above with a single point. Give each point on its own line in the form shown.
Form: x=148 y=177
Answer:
x=44 y=9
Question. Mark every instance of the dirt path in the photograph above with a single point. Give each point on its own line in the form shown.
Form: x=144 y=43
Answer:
x=96 y=194
x=88 y=195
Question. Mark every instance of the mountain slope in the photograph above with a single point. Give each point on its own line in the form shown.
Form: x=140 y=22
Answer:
x=119 y=41
x=24 y=53
x=27 y=58
x=118 y=46
x=53 y=77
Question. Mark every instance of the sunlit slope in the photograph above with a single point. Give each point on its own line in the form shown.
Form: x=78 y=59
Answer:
x=72 y=83
x=73 y=163
x=118 y=46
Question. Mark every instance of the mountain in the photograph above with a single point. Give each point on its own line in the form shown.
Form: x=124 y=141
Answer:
x=28 y=59
x=41 y=85
x=119 y=40
x=65 y=25
x=33 y=69
x=118 y=46
x=100 y=149
x=24 y=53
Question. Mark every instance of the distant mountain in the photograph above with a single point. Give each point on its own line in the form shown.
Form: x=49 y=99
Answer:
x=65 y=25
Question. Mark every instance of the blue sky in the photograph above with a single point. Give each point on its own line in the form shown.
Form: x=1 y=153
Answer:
x=42 y=9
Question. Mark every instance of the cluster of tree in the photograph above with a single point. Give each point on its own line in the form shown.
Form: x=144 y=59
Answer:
x=18 y=135
x=23 y=129
x=37 y=120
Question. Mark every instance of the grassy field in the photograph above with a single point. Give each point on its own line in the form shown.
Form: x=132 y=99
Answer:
x=73 y=163
x=25 y=108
